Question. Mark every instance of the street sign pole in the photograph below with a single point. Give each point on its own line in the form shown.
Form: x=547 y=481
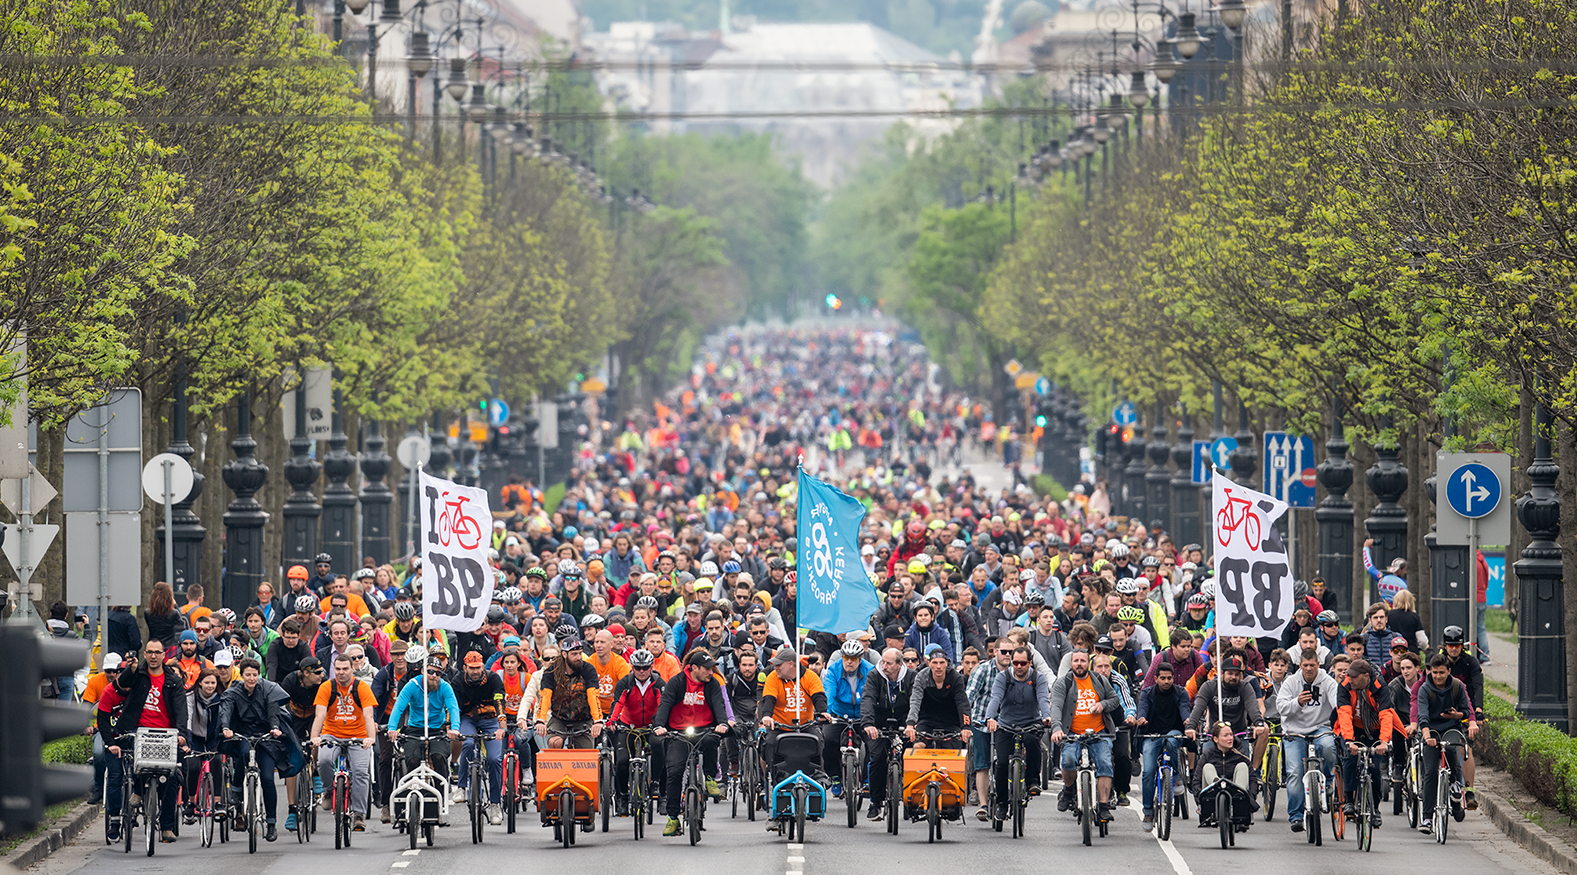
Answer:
x=104 y=534
x=24 y=572
x=169 y=524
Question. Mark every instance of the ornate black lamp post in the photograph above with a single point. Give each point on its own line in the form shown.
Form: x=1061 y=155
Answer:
x=1335 y=519
x=245 y=517
x=1541 y=621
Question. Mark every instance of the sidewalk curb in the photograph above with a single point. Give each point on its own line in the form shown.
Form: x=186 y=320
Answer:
x=63 y=830
x=1526 y=833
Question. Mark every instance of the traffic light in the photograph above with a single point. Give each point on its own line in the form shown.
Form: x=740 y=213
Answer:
x=26 y=722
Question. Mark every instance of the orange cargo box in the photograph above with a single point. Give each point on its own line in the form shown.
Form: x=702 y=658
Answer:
x=918 y=763
x=556 y=766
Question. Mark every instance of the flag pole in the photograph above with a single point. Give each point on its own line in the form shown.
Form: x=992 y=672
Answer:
x=799 y=687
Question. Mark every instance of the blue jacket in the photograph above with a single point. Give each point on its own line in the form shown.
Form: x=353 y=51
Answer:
x=843 y=698
x=1147 y=701
x=442 y=707
x=921 y=640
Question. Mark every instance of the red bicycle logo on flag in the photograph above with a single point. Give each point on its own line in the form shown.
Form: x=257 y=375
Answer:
x=455 y=523
x=1238 y=514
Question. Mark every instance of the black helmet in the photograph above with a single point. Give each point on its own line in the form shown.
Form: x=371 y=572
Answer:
x=777 y=562
x=405 y=612
x=496 y=614
x=323 y=559
x=1453 y=635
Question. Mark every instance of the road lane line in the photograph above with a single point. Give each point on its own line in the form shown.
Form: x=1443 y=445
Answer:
x=1179 y=865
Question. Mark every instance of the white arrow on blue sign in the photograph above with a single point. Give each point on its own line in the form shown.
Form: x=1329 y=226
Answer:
x=1289 y=468
x=1473 y=490
x=1201 y=473
x=1221 y=453
x=497 y=412
x=1042 y=386
x=1125 y=413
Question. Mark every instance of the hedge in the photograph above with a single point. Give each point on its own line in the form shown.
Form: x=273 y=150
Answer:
x=1542 y=758
x=1044 y=485
x=76 y=750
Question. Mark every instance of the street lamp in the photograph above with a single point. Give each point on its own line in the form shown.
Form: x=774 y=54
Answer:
x=1188 y=40
x=477 y=109
x=1138 y=92
x=1232 y=13
x=356 y=6
x=520 y=140
x=1164 y=66
x=499 y=129
x=459 y=83
x=420 y=58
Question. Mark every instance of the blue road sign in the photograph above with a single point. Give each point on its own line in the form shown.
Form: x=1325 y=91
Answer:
x=1473 y=490
x=1042 y=386
x=497 y=412
x=1221 y=453
x=1201 y=463
x=1289 y=468
x=1125 y=413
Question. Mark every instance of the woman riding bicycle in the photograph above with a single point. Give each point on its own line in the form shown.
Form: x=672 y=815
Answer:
x=252 y=707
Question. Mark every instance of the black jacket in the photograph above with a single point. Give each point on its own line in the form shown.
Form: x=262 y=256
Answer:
x=282 y=660
x=673 y=691
x=125 y=636
x=135 y=685
x=477 y=700
x=167 y=628
x=938 y=707
x=881 y=709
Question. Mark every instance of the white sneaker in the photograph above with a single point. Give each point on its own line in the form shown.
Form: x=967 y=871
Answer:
x=1177 y=789
x=527 y=777
x=457 y=796
x=494 y=815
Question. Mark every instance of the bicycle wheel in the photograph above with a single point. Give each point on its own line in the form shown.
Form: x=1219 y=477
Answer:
x=894 y=795
x=1365 y=807
x=104 y=803
x=1311 y=813
x=427 y=834
x=1442 y=805
x=1224 y=818
x=204 y=803
x=254 y=793
x=567 y=818
x=413 y=816
x=801 y=804
x=150 y=807
x=225 y=812
x=1086 y=805
x=473 y=803
x=1337 y=791
x=933 y=813
x=511 y=790
x=605 y=788
x=1271 y=781
x=692 y=813
x=1016 y=795
x=851 y=788
x=1163 y=805
x=128 y=811
x=638 y=796
x=748 y=777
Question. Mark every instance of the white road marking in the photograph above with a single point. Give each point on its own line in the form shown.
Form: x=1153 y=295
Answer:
x=796 y=859
x=1179 y=865
x=412 y=853
x=400 y=864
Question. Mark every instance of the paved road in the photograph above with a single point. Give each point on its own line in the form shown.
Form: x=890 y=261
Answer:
x=737 y=846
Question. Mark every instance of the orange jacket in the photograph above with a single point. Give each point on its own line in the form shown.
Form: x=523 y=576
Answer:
x=1374 y=705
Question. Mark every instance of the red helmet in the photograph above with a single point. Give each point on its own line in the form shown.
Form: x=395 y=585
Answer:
x=916 y=528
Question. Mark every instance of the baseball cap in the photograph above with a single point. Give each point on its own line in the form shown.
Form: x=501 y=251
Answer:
x=693 y=608
x=474 y=658
x=1012 y=597
x=309 y=662
x=1398 y=641
x=784 y=656
x=892 y=630
x=112 y=662
x=1232 y=663
x=223 y=657
x=1104 y=643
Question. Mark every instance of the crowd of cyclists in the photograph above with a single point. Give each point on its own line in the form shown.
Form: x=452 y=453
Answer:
x=659 y=596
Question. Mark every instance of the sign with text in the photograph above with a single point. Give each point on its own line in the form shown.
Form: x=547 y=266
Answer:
x=1253 y=574
x=457 y=584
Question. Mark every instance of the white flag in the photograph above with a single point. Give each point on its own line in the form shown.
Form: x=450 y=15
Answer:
x=457 y=582
x=1253 y=576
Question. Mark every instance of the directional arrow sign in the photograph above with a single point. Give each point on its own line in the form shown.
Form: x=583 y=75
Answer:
x=1221 y=452
x=1125 y=413
x=1473 y=490
x=1289 y=471
x=1201 y=467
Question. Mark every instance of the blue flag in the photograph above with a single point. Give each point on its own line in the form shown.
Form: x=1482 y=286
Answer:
x=835 y=593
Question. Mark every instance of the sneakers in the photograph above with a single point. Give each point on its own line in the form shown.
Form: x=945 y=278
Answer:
x=494 y=815
x=1065 y=799
x=167 y=837
x=457 y=796
x=1002 y=811
x=672 y=829
x=1348 y=811
x=383 y=815
x=188 y=814
x=290 y=822
x=317 y=784
x=1177 y=789
x=1374 y=820
x=358 y=825
x=1297 y=825
x=1469 y=799
x=112 y=833
x=874 y=812
x=713 y=790
x=327 y=802
x=621 y=807
x=836 y=788
x=1122 y=798
x=1427 y=827
x=982 y=815
x=1149 y=822
x=269 y=834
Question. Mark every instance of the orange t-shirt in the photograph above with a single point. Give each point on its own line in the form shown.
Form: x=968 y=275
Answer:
x=344 y=719
x=96 y=684
x=1087 y=716
x=793 y=703
x=608 y=676
x=193 y=613
x=353 y=603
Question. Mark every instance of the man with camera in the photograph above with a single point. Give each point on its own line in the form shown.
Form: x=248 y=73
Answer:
x=1306 y=701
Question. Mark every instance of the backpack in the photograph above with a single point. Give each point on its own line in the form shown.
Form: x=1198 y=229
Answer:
x=355 y=690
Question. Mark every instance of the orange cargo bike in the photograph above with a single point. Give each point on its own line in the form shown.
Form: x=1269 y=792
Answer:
x=935 y=783
x=567 y=791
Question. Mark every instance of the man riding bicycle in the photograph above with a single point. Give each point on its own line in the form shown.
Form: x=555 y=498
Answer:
x=844 y=682
x=145 y=695
x=1307 y=704
x=346 y=712
x=480 y=695
x=1364 y=717
x=884 y=703
x=1020 y=697
x=635 y=701
x=692 y=700
x=570 y=713
x=1465 y=667
x=1163 y=710
x=1441 y=705
x=429 y=703
x=789 y=696
x=1082 y=701
x=253 y=707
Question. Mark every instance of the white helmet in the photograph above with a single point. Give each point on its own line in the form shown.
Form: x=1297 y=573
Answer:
x=1119 y=550
x=416 y=653
x=709 y=569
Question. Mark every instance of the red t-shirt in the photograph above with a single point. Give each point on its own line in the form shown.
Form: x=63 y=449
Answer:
x=692 y=712
x=155 y=711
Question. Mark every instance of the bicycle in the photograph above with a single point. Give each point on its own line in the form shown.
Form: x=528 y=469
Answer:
x=1018 y=790
x=339 y=793
x=852 y=760
x=895 y=747
x=252 y=791
x=605 y=775
x=512 y=796
x=424 y=791
x=129 y=807
x=638 y=790
x=693 y=789
x=1089 y=816
x=1239 y=513
x=1167 y=799
x=209 y=814
x=1315 y=789
x=1413 y=782
x=1272 y=773
x=747 y=783
x=476 y=784
x=1448 y=793
x=939 y=774
x=1364 y=805
x=453 y=522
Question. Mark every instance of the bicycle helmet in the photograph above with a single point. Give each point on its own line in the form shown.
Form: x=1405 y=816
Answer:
x=852 y=649
x=568 y=568
x=306 y=605
x=708 y=569
x=511 y=595
x=1199 y=600
x=1453 y=635
x=297 y=572
x=364 y=574
x=537 y=571
x=1130 y=614
x=777 y=562
x=1151 y=562
x=416 y=655
x=592 y=621
x=405 y=612
x=1208 y=590
x=227 y=615
x=791 y=577
x=642 y=658
x=731 y=567
x=237 y=652
x=496 y=614
x=323 y=559
x=1326 y=616
x=1126 y=586
x=1300 y=589
x=647 y=602
x=1035 y=597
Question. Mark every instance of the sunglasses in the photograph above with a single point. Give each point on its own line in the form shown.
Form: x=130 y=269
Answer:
x=1020 y=664
x=1332 y=625
x=911 y=659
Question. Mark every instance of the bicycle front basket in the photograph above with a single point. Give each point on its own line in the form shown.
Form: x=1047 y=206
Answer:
x=156 y=750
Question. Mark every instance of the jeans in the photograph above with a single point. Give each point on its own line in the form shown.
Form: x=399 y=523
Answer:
x=266 y=767
x=678 y=758
x=1100 y=752
x=1293 y=750
x=877 y=751
x=1152 y=765
x=359 y=760
x=495 y=755
x=114 y=770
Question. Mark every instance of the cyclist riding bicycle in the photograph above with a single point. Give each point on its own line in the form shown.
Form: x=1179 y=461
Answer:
x=692 y=700
x=1236 y=698
x=426 y=702
x=1020 y=697
x=843 y=681
x=1364 y=716
x=144 y=695
x=570 y=713
x=480 y=695
x=1083 y=701
x=790 y=696
x=1307 y=704
x=346 y=711
x=253 y=707
x=1441 y=705
x=939 y=703
x=1163 y=710
x=635 y=702
x=884 y=705
x=1466 y=668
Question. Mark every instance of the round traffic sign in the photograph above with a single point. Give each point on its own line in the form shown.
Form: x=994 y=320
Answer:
x=1310 y=477
x=1042 y=386
x=1125 y=413
x=1473 y=491
x=1221 y=450
x=414 y=450
x=497 y=412
x=180 y=477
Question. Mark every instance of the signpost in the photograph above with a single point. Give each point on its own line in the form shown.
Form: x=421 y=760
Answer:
x=1474 y=512
x=1042 y=386
x=319 y=389
x=1221 y=453
x=497 y=412
x=414 y=452
x=1202 y=463
x=26 y=542
x=167 y=478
